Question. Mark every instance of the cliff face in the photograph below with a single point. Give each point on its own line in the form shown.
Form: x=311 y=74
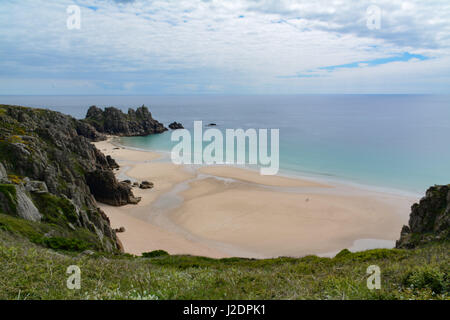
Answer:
x=114 y=121
x=429 y=219
x=47 y=165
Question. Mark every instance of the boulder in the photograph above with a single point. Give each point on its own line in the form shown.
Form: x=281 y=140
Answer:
x=135 y=200
x=25 y=207
x=15 y=201
x=146 y=185
x=176 y=125
x=120 y=230
x=35 y=186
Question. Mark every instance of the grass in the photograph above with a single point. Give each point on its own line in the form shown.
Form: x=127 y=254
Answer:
x=49 y=235
x=28 y=271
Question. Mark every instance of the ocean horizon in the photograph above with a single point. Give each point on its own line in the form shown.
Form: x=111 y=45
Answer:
x=393 y=142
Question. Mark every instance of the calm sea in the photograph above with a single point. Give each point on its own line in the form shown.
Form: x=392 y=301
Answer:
x=390 y=141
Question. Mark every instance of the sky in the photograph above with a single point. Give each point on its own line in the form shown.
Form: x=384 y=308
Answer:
x=126 y=47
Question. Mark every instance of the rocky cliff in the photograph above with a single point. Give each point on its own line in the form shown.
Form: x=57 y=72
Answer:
x=114 y=121
x=50 y=173
x=429 y=219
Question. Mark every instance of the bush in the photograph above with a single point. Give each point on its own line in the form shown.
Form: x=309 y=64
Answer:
x=54 y=209
x=155 y=253
x=59 y=243
x=343 y=253
x=9 y=196
x=427 y=278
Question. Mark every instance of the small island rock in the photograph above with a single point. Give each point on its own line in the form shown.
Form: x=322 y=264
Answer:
x=176 y=125
x=146 y=185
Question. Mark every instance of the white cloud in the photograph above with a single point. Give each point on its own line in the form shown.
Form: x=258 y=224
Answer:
x=233 y=46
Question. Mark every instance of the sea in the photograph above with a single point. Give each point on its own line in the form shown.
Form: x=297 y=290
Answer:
x=395 y=142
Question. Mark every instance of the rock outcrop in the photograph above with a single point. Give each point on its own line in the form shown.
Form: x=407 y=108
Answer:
x=107 y=189
x=429 y=219
x=114 y=121
x=3 y=174
x=112 y=163
x=176 y=125
x=49 y=159
x=86 y=130
x=25 y=206
x=35 y=186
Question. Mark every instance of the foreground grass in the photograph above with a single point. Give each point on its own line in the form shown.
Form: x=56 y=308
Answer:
x=28 y=271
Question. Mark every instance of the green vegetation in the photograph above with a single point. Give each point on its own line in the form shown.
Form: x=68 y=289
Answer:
x=55 y=210
x=155 y=253
x=13 y=128
x=35 y=143
x=27 y=229
x=426 y=277
x=8 y=192
x=28 y=271
x=50 y=235
x=59 y=243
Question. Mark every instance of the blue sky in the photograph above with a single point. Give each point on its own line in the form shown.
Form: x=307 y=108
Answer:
x=224 y=47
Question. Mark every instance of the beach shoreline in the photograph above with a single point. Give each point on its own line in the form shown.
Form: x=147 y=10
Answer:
x=224 y=211
x=294 y=174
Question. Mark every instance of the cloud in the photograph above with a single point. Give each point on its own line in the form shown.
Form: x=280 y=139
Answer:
x=182 y=46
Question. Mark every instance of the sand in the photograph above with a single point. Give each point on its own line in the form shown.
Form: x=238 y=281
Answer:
x=247 y=175
x=223 y=211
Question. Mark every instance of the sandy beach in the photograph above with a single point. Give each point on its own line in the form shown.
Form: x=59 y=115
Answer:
x=223 y=211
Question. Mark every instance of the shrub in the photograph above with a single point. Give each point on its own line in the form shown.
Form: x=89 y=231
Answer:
x=343 y=253
x=59 y=243
x=79 y=240
x=427 y=278
x=155 y=253
x=54 y=209
x=10 y=196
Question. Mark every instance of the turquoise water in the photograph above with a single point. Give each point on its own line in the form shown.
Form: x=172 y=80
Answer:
x=391 y=141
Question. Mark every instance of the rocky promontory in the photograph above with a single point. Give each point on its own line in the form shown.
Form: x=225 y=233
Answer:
x=113 y=121
x=429 y=219
x=51 y=174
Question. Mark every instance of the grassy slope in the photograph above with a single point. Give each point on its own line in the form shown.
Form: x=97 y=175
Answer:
x=28 y=271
